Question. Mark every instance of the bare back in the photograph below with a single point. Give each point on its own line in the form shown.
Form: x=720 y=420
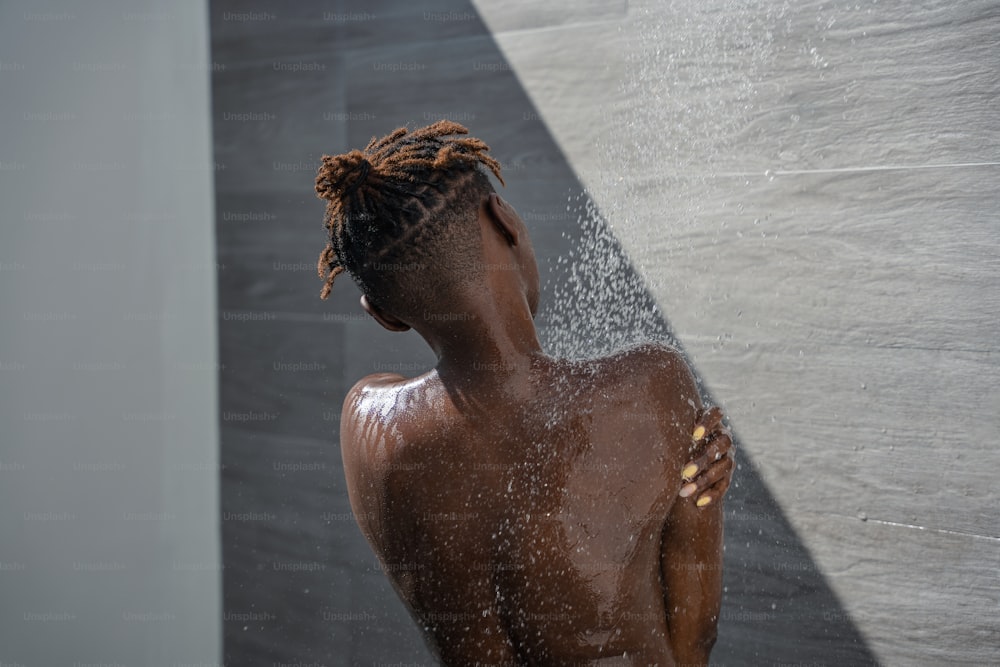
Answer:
x=527 y=525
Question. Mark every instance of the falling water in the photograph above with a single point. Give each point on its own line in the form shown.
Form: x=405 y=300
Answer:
x=806 y=192
x=663 y=141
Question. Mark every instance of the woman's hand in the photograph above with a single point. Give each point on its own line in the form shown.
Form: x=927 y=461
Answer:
x=707 y=477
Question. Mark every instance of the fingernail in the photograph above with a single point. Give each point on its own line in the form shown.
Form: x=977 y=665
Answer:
x=688 y=490
x=689 y=471
x=699 y=433
x=704 y=500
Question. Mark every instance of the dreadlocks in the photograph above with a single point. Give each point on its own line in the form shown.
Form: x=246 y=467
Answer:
x=407 y=196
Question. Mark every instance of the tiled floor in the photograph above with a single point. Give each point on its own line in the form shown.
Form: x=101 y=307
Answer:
x=291 y=82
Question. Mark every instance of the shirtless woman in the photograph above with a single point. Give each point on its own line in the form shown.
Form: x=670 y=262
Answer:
x=528 y=509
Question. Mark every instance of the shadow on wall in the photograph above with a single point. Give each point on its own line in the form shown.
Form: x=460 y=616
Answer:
x=291 y=82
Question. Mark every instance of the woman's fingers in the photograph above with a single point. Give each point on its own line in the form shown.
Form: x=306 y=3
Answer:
x=718 y=447
x=706 y=422
x=712 y=485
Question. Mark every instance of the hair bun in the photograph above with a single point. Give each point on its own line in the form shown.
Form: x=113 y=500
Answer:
x=340 y=175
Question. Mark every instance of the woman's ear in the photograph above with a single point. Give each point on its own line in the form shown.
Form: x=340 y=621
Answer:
x=385 y=319
x=504 y=218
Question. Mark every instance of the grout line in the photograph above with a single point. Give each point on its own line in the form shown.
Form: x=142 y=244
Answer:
x=765 y=342
x=954 y=165
x=897 y=524
x=844 y=170
x=935 y=530
x=240 y=315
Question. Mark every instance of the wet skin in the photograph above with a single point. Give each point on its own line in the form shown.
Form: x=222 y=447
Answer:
x=531 y=510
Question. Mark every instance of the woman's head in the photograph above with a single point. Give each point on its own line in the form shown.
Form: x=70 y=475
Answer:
x=402 y=214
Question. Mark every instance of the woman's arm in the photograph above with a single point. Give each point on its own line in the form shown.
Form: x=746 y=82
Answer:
x=691 y=569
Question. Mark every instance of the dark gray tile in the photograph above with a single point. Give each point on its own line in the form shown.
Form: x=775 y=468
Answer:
x=268 y=245
x=466 y=80
x=271 y=123
x=281 y=377
x=385 y=632
x=261 y=28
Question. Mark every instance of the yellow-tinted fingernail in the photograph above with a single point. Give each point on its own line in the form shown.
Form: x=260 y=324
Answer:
x=699 y=433
x=688 y=490
x=689 y=472
x=704 y=500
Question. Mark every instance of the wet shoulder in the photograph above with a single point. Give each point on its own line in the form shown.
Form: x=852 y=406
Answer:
x=649 y=383
x=654 y=369
x=383 y=412
x=384 y=419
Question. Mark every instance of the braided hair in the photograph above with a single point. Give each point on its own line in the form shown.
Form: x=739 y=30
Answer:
x=407 y=201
